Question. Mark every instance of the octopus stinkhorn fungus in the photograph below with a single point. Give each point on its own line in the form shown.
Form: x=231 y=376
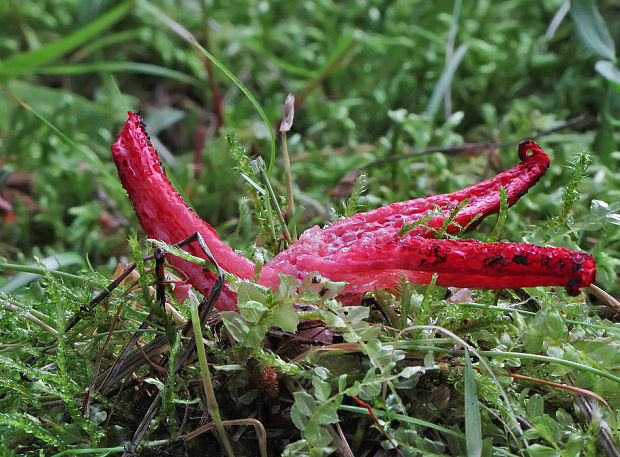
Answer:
x=367 y=250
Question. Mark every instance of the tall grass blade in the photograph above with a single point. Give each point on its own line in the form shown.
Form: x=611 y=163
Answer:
x=88 y=154
x=473 y=429
x=591 y=29
x=125 y=67
x=53 y=262
x=501 y=218
x=444 y=81
x=26 y=62
x=610 y=72
x=186 y=35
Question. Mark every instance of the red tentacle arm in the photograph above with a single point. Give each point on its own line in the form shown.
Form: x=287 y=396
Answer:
x=165 y=216
x=484 y=199
x=378 y=262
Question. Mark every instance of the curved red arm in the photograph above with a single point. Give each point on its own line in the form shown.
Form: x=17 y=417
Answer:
x=376 y=263
x=165 y=216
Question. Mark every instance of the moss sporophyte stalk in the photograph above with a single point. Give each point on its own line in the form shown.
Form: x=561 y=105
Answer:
x=369 y=251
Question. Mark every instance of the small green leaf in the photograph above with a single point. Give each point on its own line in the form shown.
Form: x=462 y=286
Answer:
x=285 y=317
x=252 y=311
x=235 y=324
x=609 y=71
x=248 y=291
x=322 y=287
x=613 y=218
x=325 y=413
x=342 y=382
x=555 y=325
x=332 y=320
x=319 y=438
x=302 y=409
x=535 y=406
x=547 y=428
x=599 y=208
x=322 y=389
x=288 y=286
x=537 y=450
x=370 y=386
x=298 y=448
x=408 y=372
x=356 y=314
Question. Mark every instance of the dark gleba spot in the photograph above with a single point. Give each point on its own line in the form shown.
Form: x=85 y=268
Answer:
x=577 y=265
x=438 y=256
x=497 y=260
x=520 y=259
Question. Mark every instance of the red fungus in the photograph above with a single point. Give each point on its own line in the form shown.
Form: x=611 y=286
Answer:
x=365 y=250
x=165 y=216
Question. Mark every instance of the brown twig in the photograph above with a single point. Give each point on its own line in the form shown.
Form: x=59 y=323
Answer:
x=447 y=150
x=606 y=437
x=344 y=447
x=605 y=298
x=376 y=421
x=215 y=91
x=470 y=147
x=261 y=434
x=201 y=133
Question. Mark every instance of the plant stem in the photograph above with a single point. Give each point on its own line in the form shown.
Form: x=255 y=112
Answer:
x=261 y=169
x=43 y=271
x=212 y=405
x=289 y=185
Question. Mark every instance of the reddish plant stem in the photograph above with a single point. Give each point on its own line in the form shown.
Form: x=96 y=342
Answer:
x=376 y=421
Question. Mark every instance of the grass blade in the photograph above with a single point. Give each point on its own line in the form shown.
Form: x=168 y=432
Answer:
x=473 y=429
x=501 y=218
x=26 y=62
x=207 y=385
x=92 y=158
x=186 y=35
x=444 y=81
x=126 y=67
x=51 y=263
x=591 y=29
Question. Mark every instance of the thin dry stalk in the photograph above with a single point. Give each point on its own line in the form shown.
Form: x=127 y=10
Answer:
x=605 y=298
x=261 y=434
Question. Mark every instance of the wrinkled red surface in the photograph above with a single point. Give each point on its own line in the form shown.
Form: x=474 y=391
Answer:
x=378 y=263
x=164 y=215
x=365 y=250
